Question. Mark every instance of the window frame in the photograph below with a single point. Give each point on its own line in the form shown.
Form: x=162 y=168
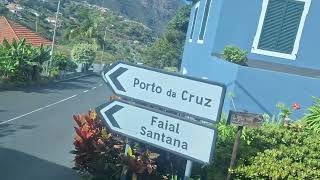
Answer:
x=295 y=50
x=194 y=20
x=205 y=27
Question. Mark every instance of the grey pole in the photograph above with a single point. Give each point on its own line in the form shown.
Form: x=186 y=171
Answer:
x=188 y=170
x=36 y=23
x=104 y=41
x=54 y=36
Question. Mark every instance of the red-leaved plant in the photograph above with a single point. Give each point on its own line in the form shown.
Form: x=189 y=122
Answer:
x=96 y=150
x=99 y=153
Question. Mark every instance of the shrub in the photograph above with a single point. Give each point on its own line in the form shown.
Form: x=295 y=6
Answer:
x=84 y=54
x=282 y=153
x=226 y=137
x=256 y=145
x=312 y=118
x=235 y=55
x=62 y=63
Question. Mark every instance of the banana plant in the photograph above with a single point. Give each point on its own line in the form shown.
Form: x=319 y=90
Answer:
x=312 y=118
x=21 y=61
x=7 y=67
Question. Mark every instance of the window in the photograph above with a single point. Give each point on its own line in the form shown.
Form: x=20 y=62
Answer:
x=204 y=21
x=280 y=28
x=194 y=21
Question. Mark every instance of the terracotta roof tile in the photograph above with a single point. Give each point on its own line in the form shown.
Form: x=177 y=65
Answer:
x=11 y=30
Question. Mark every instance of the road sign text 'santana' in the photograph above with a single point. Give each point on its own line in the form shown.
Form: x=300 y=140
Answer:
x=164 y=138
x=159 y=129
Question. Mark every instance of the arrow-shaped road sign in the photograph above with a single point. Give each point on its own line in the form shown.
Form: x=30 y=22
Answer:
x=180 y=136
x=194 y=97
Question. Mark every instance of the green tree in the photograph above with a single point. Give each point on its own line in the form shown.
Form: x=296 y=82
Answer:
x=161 y=54
x=167 y=50
x=60 y=61
x=88 y=30
x=3 y=9
x=8 y=67
x=181 y=20
x=84 y=54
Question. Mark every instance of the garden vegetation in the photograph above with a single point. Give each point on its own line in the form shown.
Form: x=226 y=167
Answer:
x=280 y=149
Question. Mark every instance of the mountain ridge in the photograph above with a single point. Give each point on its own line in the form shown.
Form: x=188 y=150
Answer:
x=153 y=13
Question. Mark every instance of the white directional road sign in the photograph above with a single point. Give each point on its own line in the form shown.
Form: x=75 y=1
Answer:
x=179 y=136
x=195 y=97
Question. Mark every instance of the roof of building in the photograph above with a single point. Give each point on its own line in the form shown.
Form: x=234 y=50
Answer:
x=11 y=30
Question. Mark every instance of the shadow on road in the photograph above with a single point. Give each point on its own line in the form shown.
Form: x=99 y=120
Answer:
x=9 y=129
x=17 y=165
x=53 y=87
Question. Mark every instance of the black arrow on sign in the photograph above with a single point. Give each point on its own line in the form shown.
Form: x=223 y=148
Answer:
x=113 y=76
x=110 y=112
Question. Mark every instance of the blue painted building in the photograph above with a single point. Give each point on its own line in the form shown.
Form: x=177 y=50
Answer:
x=281 y=38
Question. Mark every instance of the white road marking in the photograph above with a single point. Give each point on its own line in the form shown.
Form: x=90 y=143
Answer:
x=7 y=121
x=85 y=91
x=93 y=88
x=100 y=85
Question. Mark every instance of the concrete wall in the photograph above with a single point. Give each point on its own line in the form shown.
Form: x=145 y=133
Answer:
x=258 y=90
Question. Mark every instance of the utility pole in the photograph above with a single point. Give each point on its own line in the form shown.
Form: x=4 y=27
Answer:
x=104 y=41
x=53 y=39
x=37 y=15
x=36 y=23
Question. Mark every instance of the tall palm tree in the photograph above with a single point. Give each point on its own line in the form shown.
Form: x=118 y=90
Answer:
x=88 y=30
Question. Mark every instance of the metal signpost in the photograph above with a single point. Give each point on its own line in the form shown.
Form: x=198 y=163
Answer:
x=194 y=97
x=178 y=94
x=165 y=131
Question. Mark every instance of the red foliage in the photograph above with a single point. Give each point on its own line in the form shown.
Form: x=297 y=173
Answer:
x=98 y=152
x=94 y=145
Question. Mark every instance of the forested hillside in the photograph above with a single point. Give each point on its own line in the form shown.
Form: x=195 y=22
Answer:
x=118 y=36
x=153 y=13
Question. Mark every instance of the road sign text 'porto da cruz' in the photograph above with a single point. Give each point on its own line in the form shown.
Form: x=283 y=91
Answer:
x=179 y=136
x=195 y=97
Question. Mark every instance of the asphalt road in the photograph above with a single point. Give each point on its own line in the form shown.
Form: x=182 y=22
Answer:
x=36 y=127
